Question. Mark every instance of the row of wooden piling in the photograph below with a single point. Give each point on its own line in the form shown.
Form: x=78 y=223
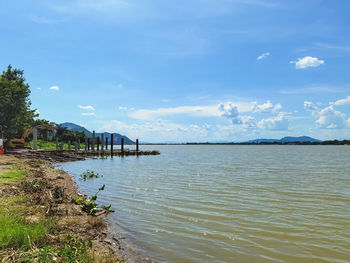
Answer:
x=91 y=142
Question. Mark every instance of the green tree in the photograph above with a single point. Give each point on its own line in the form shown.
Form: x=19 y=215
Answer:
x=15 y=112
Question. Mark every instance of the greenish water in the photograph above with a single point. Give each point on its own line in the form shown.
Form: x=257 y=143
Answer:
x=230 y=203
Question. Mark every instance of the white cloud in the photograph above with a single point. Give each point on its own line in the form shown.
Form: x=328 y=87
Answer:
x=87 y=107
x=122 y=108
x=219 y=110
x=342 y=101
x=263 y=56
x=314 y=89
x=267 y=107
x=55 y=88
x=307 y=62
x=203 y=111
x=310 y=106
x=329 y=118
x=157 y=131
x=43 y=20
x=229 y=110
x=88 y=114
x=277 y=123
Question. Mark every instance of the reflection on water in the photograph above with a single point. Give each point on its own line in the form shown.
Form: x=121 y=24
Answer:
x=230 y=203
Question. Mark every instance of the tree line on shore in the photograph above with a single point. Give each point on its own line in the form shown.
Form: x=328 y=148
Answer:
x=16 y=115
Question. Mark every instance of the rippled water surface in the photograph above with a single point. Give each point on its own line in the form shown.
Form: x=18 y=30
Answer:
x=230 y=203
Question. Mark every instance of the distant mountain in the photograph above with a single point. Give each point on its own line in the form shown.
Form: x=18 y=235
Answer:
x=287 y=139
x=116 y=136
x=257 y=141
x=74 y=127
x=299 y=139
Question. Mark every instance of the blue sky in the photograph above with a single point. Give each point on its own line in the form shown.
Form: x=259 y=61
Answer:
x=194 y=70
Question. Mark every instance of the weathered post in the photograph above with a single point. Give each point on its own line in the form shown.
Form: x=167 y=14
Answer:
x=98 y=143
x=77 y=144
x=69 y=145
x=56 y=143
x=112 y=144
x=88 y=144
x=102 y=140
x=137 y=145
x=106 y=143
x=122 y=145
x=35 y=139
x=93 y=140
x=85 y=146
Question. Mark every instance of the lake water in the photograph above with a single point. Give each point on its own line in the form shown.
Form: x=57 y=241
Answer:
x=229 y=203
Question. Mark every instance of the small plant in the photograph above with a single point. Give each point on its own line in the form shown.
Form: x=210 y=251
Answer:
x=89 y=205
x=89 y=174
x=33 y=186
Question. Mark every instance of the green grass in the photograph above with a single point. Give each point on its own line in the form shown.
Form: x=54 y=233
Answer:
x=12 y=177
x=14 y=174
x=17 y=234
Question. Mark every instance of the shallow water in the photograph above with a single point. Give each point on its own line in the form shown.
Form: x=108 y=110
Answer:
x=229 y=203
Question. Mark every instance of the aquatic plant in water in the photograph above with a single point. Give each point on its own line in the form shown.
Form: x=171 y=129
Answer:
x=90 y=206
x=89 y=174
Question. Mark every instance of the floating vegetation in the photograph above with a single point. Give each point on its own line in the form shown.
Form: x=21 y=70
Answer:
x=89 y=174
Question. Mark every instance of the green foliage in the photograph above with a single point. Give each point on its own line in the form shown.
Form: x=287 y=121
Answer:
x=89 y=205
x=15 y=112
x=47 y=145
x=89 y=174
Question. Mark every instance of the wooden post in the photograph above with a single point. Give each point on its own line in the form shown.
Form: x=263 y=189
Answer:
x=88 y=144
x=122 y=145
x=68 y=145
x=35 y=138
x=98 y=143
x=86 y=140
x=76 y=146
x=106 y=143
x=137 y=145
x=112 y=144
x=102 y=140
x=56 y=143
x=93 y=140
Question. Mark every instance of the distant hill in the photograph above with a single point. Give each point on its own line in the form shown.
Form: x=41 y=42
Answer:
x=287 y=139
x=299 y=139
x=74 y=127
x=116 y=136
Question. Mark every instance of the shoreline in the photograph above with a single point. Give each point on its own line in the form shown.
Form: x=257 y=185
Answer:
x=54 y=202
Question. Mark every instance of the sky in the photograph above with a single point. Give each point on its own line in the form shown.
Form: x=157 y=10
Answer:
x=185 y=70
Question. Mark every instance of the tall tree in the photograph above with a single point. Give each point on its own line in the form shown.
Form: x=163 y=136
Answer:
x=15 y=112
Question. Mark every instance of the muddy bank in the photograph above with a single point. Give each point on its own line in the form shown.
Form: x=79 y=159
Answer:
x=54 y=200
x=54 y=156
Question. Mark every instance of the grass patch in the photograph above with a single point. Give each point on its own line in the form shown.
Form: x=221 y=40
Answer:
x=17 y=234
x=18 y=174
x=73 y=250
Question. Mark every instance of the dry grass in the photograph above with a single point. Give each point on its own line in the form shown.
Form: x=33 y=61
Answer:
x=96 y=223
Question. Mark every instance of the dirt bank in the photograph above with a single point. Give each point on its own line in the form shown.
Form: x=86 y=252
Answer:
x=47 y=194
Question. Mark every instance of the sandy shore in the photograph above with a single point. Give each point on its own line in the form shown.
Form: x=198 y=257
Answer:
x=55 y=201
